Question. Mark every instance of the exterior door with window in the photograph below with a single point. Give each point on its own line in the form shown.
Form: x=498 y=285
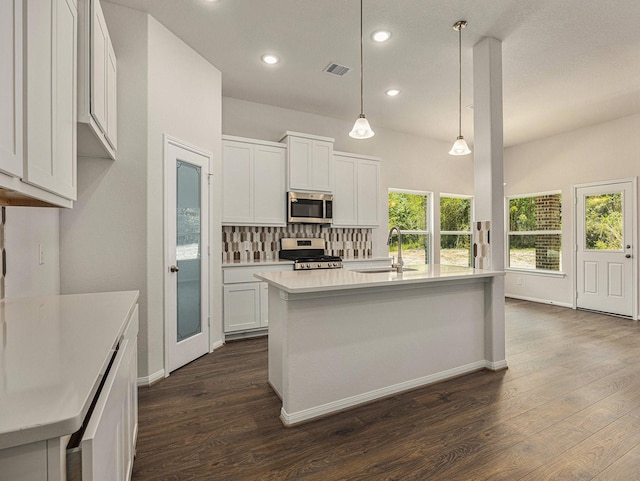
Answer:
x=187 y=259
x=604 y=247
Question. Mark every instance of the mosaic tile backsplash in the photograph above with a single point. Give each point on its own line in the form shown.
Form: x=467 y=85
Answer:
x=482 y=244
x=244 y=243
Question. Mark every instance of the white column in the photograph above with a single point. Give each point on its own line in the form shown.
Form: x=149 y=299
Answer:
x=488 y=182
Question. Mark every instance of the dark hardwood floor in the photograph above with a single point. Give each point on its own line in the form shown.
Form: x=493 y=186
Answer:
x=568 y=408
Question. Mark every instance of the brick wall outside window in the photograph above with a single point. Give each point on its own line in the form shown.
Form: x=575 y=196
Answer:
x=548 y=217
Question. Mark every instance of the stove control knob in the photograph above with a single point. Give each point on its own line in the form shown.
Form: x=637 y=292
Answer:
x=308 y=266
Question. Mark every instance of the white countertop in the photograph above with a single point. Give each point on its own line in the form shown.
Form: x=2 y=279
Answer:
x=52 y=351
x=323 y=280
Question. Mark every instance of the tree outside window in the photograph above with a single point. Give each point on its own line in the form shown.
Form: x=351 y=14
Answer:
x=409 y=211
x=455 y=230
x=535 y=232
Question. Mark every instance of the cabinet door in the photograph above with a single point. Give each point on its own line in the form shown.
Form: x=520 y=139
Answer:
x=99 y=52
x=241 y=307
x=103 y=444
x=299 y=154
x=368 y=193
x=11 y=139
x=112 y=97
x=264 y=304
x=51 y=96
x=269 y=185
x=237 y=182
x=322 y=166
x=345 y=207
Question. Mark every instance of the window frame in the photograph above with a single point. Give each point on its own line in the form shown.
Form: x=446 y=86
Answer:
x=429 y=221
x=508 y=232
x=451 y=232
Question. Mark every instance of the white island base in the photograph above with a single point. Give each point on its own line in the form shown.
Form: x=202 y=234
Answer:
x=340 y=338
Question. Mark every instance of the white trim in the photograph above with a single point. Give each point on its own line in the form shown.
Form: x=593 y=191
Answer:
x=456 y=196
x=534 y=194
x=426 y=193
x=289 y=419
x=536 y=272
x=145 y=381
x=534 y=232
x=215 y=345
x=539 y=301
x=455 y=232
x=634 y=239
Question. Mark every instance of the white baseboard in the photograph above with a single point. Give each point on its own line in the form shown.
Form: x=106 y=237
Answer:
x=540 y=301
x=289 y=419
x=149 y=380
x=216 y=345
x=496 y=366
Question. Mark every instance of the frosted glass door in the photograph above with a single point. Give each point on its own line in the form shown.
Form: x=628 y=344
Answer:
x=187 y=259
x=188 y=249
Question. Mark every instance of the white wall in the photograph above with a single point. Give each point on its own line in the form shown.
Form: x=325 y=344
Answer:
x=103 y=238
x=184 y=103
x=408 y=161
x=113 y=238
x=601 y=152
x=26 y=229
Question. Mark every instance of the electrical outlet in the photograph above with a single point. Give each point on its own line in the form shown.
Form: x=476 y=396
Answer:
x=40 y=254
x=519 y=281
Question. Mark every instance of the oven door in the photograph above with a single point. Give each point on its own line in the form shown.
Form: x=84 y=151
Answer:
x=308 y=208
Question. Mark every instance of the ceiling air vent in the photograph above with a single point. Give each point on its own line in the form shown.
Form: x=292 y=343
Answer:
x=336 y=69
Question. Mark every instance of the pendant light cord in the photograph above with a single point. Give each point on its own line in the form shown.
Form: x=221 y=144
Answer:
x=460 y=81
x=361 y=66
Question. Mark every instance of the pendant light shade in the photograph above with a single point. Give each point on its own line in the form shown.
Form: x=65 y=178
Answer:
x=361 y=129
x=460 y=146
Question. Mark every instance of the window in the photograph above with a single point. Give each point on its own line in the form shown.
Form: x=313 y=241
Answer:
x=455 y=230
x=535 y=232
x=409 y=210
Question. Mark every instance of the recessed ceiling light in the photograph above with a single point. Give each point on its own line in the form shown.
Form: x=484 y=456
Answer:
x=392 y=92
x=270 y=59
x=381 y=35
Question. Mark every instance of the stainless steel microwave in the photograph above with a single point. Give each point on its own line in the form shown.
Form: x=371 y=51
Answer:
x=309 y=208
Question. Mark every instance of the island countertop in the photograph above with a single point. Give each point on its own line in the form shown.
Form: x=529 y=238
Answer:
x=324 y=280
x=53 y=350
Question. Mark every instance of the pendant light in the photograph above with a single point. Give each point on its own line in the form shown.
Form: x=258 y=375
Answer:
x=460 y=146
x=361 y=129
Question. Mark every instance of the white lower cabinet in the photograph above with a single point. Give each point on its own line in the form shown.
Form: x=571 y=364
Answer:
x=107 y=447
x=245 y=299
x=242 y=307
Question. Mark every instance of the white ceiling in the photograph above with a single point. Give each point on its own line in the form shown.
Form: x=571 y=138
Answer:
x=566 y=63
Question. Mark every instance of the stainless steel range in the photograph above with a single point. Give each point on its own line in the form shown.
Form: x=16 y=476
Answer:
x=308 y=254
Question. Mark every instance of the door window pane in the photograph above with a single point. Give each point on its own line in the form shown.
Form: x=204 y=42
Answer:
x=604 y=222
x=188 y=249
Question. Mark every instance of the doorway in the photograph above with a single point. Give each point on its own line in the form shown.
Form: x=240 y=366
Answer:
x=187 y=253
x=605 y=244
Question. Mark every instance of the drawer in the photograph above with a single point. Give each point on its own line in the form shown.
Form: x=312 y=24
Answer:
x=234 y=275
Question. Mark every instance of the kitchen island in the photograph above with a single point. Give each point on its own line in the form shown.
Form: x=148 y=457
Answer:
x=340 y=338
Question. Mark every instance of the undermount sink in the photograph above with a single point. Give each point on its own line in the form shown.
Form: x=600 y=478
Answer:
x=370 y=270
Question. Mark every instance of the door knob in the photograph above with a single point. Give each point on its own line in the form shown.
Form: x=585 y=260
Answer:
x=174 y=268
x=628 y=256
x=628 y=246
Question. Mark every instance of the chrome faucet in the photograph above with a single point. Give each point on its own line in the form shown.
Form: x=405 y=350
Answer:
x=397 y=265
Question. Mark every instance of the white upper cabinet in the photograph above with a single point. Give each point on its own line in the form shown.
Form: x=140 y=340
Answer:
x=97 y=84
x=356 y=200
x=51 y=51
x=253 y=182
x=11 y=140
x=309 y=162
